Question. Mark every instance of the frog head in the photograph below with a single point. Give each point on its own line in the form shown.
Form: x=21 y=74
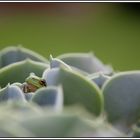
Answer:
x=35 y=81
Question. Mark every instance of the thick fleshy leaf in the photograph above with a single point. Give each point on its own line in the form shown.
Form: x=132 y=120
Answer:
x=103 y=129
x=79 y=71
x=77 y=89
x=17 y=109
x=51 y=76
x=11 y=93
x=17 y=84
x=14 y=131
x=122 y=97
x=17 y=72
x=49 y=96
x=22 y=123
x=99 y=78
x=5 y=133
x=28 y=96
x=67 y=125
x=11 y=113
x=55 y=126
x=87 y=62
x=13 y=54
x=55 y=62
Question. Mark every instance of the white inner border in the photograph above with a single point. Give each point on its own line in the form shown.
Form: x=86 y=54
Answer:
x=80 y=137
x=71 y=1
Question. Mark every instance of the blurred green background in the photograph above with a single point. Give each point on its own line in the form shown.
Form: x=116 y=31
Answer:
x=110 y=30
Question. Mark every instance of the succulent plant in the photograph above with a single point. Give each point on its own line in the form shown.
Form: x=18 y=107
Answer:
x=70 y=95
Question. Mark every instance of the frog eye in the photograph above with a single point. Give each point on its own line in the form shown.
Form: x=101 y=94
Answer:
x=43 y=82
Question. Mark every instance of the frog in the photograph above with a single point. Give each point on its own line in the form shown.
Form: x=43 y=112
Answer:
x=32 y=83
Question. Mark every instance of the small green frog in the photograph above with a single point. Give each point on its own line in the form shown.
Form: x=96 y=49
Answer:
x=32 y=83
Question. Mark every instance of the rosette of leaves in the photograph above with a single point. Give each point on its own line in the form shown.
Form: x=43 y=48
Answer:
x=20 y=70
x=75 y=79
x=121 y=99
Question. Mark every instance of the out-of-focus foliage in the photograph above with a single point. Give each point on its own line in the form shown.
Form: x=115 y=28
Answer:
x=111 y=30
